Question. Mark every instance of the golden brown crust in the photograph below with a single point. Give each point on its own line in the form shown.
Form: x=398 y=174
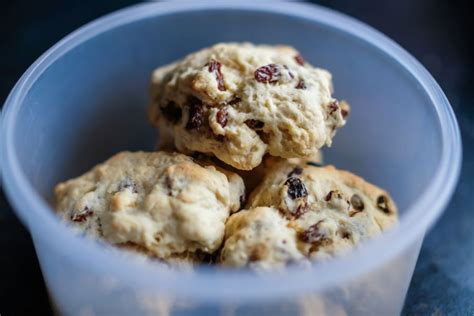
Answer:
x=324 y=211
x=241 y=101
x=163 y=203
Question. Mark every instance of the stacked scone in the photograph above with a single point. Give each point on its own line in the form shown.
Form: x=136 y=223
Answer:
x=241 y=117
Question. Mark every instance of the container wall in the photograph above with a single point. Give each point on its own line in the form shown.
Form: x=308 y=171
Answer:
x=90 y=104
x=80 y=290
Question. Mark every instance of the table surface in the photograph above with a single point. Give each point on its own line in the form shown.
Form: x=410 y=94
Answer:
x=438 y=33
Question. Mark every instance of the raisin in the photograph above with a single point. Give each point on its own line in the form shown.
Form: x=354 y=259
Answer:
x=357 y=202
x=344 y=113
x=314 y=164
x=234 y=101
x=329 y=196
x=333 y=107
x=300 y=60
x=254 y=256
x=259 y=252
x=345 y=109
x=82 y=216
x=171 y=112
x=345 y=234
x=221 y=117
x=296 y=171
x=332 y=194
x=312 y=234
x=296 y=188
x=255 y=124
x=301 y=85
x=215 y=67
x=382 y=204
x=300 y=210
x=268 y=74
x=196 y=116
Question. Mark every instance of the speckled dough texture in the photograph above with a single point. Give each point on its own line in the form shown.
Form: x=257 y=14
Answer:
x=241 y=101
x=261 y=239
x=163 y=204
x=323 y=211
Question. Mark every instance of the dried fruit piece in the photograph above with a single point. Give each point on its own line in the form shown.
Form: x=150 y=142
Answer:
x=215 y=67
x=296 y=171
x=314 y=164
x=196 y=116
x=295 y=195
x=259 y=252
x=234 y=101
x=300 y=210
x=301 y=85
x=313 y=234
x=82 y=216
x=333 y=107
x=345 y=109
x=171 y=112
x=221 y=117
x=255 y=124
x=331 y=194
x=300 y=60
x=296 y=188
x=328 y=196
x=345 y=234
x=357 y=202
x=344 y=113
x=382 y=204
x=268 y=74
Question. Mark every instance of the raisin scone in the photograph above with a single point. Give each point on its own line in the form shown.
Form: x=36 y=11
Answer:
x=329 y=212
x=259 y=238
x=166 y=204
x=241 y=101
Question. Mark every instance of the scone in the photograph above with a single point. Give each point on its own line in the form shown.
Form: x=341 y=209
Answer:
x=259 y=238
x=241 y=101
x=164 y=204
x=328 y=211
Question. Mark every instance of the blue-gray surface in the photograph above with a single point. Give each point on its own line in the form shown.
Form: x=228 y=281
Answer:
x=438 y=33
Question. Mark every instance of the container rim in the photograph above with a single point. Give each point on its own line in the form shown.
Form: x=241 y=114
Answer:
x=208 y=284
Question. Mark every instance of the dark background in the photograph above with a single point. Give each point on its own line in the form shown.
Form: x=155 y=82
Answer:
x=440 y=34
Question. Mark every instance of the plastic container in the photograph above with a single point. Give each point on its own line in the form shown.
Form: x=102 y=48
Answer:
x=85 y=99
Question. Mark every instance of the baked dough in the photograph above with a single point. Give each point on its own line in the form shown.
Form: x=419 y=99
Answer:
x=241 y=101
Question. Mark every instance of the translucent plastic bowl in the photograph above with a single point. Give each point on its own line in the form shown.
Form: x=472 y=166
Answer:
x=85 y=99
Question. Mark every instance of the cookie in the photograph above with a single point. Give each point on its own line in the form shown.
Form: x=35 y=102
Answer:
x=241 y=101
x=164 y=204
x=328 y=211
